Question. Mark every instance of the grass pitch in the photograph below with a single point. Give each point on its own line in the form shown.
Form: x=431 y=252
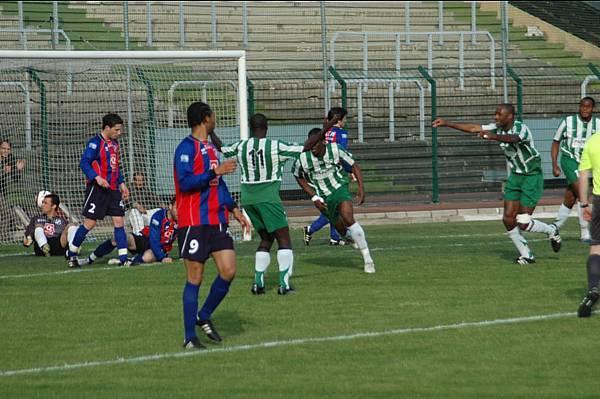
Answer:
x=447 y=315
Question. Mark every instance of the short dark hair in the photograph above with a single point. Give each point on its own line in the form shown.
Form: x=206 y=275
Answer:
x=509 y=107
x=54 y=198
x=314 y=130
x=111 y=120
x=197 y=112
x=173 y=200
x=258 y=122
x=588 y=98
x=338 y=112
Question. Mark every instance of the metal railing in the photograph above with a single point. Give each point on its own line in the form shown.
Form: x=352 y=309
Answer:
x=430 y=35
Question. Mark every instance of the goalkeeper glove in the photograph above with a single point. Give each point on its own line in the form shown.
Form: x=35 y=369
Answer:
x=46 y=249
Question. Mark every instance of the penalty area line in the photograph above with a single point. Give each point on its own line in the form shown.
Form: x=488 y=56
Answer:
x=282 y=343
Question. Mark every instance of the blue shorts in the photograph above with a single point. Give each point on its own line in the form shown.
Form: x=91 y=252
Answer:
x=100 y=202
x=198 y=242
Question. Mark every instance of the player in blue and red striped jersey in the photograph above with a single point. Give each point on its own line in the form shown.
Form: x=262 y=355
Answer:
x=338 y=135
x=203 y=206
x=106 y=187
x=152 y=244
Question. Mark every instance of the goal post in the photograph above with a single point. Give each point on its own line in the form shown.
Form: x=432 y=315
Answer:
x=52 y=102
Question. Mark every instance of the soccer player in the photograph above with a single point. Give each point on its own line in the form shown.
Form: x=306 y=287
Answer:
x=338 y=135
x=261 y=161
x=106 y=187
x=526 y=182
x=590 y=160
x=321 y=175
x=49 y=231
x=203 y=203
x=152 y=244
x=569 y=140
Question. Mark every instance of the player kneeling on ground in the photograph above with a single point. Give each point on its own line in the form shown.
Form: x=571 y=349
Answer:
x=151 y=245
x=321 y=169
x=49 y=232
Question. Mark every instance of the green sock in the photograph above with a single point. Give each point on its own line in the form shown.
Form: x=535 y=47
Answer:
x=259 y=278
x=282 y=278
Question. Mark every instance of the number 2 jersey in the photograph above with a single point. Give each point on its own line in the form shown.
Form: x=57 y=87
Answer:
x=202 y=197
x=101 y=158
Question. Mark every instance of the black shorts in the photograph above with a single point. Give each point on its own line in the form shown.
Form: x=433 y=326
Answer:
x=198 y=242
x=100 y=202
x=595 y=223
x=55 y=248
x=142 y=244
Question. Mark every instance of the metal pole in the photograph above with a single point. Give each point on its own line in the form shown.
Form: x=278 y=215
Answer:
x=326 y=99
x=473 y=22
x=130 y=146
x=126 y=23
x=365 y=50
x=391 y=110
x=435 y=190
x=213 y=23
x=181 y=25
x=23 y=35
x=398 y=52
x=407 y=20
x=441 y=20
x=149 y=23
x=461 y=61
x=245 y=22
x=359 y=104
x=504 y=21
x=54 y=24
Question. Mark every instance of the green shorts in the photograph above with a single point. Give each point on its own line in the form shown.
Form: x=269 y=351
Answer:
x=333 y=202
x=570 y=168
x=525 y=189
x=269 y=216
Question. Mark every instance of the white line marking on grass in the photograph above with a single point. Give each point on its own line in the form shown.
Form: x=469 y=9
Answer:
x=291 y=342
x=84 y=270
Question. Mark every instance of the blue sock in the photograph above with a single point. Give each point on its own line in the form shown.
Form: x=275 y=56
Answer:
x=121 y=239
x=218 y=290
x=138 y=259
x=318 y=224
x=77 y=240
x=333 y=234
x=104 y=249
x=190 y=307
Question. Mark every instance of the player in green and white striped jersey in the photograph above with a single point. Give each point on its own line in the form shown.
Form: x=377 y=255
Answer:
x=525 y=183
x=321 y=175
x=261 y=161
x=569 y=140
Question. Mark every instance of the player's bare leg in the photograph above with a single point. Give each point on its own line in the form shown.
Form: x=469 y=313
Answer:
x=357 y=233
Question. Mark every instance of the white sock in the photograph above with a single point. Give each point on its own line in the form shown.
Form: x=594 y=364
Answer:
x=71 y=233
x=40 y=237
x=583 y=225
x=562 y=216
x=358 y=235
x=262 y=261
x=520 y=242
x=285 y=259
x=537 y=226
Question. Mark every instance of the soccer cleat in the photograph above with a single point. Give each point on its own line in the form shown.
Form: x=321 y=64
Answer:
x=114 y=261
x=127 y=263
x=209 y=330
x=336 y=242
x=257 y=289
x=46 y=249
x=73 y=262
x=307 y=235
x=193 y=343
x=84 y=261
x=369 y=267
x=585 y=309
x=555 y=240
x=585 y=237
x=285 y=291
x=521 y=260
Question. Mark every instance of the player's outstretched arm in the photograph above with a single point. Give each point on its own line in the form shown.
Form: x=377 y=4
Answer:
x=360 y=194
x=463 y=127
x=314 y=139
x=317 y=201
x=216 y=140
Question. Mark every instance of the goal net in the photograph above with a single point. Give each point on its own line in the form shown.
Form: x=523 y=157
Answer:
x=52 y=103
